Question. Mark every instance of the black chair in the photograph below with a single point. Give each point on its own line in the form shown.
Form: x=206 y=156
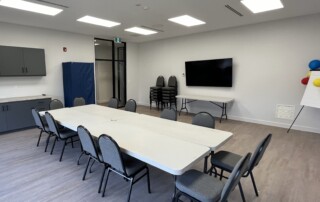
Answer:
x=131 y=106
x=170 y=114
x=55 y=104
x=61 y=134
x=89 y=148
x=203 y=187
x=169 y=93
x=42 y=125
x=121 y=164
x=155 y=94
x=226 y=161
x=113 y=103
x=79 y=101
x=204 y=119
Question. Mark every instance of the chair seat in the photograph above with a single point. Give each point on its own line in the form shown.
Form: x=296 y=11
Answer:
x=67 y=133
x=132 y=165
x=200 y=186
x=225 y=160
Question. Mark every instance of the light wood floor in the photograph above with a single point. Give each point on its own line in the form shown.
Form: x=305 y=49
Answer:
x=289 y=171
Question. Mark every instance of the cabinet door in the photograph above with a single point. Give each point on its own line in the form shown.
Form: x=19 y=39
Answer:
x=11 y=61
x=34 y=62
x=41 y=104
x=19 y=115
x=3 y=119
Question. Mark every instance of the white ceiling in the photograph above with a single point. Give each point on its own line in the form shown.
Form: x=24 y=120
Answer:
x=156 y=16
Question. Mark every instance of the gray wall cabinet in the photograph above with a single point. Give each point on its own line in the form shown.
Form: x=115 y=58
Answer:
x=16 y=61
x=17 y=115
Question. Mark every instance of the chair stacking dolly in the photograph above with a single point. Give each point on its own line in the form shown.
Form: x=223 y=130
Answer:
x=156 y=92
x=169 y=93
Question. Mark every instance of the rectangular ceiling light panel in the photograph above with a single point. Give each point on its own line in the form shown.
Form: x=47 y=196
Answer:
x=98 y=21
x=258 y=6
x=187 y=20
x=139 y=30
x=32 y=7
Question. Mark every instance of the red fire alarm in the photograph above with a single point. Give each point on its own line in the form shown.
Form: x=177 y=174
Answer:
x=65 y=49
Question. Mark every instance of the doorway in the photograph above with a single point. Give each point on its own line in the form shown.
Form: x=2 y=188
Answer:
x=110 y=71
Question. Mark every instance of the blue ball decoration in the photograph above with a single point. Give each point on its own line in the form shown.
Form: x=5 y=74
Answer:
x=314 y=64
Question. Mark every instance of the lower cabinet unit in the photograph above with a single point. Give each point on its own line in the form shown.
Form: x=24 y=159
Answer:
x=17 y=114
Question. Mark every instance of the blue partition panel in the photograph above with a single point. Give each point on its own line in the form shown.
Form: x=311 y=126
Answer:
x=78 y=81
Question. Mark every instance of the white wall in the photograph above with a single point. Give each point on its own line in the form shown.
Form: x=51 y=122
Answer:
x=269 y=59
x=80 y=49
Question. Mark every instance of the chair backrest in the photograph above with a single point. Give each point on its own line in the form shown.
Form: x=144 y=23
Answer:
x=131 y=106
x=87 y=141
x=204 y=119
x=258 y=153
x=111 y=153
x=37 y=119
x=113 y=103
x=235 y=177
x=170 y=114
x=52 y=124
x=160 y=81
x=55 y=104
x=79 y=101
x=172 y=81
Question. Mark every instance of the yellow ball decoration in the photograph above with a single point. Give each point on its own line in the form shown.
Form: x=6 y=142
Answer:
x=308 y=74
x=316 y=82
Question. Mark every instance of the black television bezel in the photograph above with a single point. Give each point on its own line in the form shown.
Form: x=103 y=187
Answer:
x=213 y=85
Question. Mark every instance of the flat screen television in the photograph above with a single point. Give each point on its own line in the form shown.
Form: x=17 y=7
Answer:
x=209 y=73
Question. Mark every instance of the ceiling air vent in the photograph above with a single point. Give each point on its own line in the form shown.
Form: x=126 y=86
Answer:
x=233 y=10
x=54 y=4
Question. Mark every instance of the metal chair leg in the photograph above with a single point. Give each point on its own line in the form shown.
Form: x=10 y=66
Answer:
x=221 y=174
x=72 y=142
x=254 y=184
x=105 y=185
x=64 y=145
x=85 y=171
x=91 y=166
x=148 y=178
x=101 y=180
x=78 y=162
x=39 y=137
x=130 y=189
x=54 y=143
x=241 y=192
x=47 y=142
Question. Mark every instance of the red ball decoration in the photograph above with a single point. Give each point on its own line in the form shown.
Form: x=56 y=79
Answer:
x=305 y=80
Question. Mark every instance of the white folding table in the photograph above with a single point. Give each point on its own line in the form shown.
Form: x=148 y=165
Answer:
x=185 y=99
x=168 y=145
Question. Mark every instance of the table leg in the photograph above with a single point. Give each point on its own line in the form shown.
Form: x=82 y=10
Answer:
x=205 y=166
x=183 y=105
x=175 y=190
x=224 y=111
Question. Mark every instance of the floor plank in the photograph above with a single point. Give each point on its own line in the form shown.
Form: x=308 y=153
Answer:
x=289 y=171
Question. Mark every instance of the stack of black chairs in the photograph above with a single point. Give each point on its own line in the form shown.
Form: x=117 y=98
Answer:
x=156 y=92
x=169 y=93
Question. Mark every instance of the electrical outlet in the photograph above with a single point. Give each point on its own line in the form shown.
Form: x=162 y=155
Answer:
x=285 y=111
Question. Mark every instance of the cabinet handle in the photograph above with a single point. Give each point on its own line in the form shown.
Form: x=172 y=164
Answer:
x=7 y=107
x=3 y=108
x=27 y=69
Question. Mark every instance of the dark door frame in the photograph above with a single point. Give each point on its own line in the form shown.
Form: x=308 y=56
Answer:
x=118 y=60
